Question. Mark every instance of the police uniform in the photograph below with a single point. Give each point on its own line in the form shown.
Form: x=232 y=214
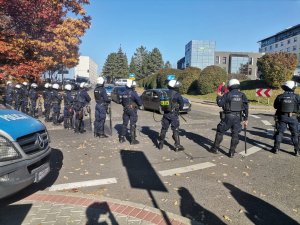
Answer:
x=47 y=96
x=235 y=108
x=56 y=99
x=68 y=110
x=171 y=117
x=130 y=102
x=18 y=97
x=102 y=102
x=9 y=94
x=33 y=96
x=81 y=100
x=24 y=98
x=287 y=105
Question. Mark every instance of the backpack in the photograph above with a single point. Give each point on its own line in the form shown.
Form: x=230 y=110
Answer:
x=166 y=101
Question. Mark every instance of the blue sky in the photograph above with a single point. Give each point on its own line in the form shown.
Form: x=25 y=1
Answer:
x=235 y=25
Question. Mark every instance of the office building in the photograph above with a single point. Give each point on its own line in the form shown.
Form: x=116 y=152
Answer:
x=199 y=53
x=287 y=40
x=238 y=63
x=181 y=63
x=87 y=68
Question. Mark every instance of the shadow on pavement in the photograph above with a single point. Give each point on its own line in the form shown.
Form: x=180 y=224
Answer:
x=142 y=175
x=14 y=214
x=56 y=162
x=152 y=134
x=192 y=210
x=94 y=212
x=259 y=211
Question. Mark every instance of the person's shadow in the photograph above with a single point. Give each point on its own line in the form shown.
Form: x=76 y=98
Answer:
x=94 y=212
x=192 y=210
x=259 y=211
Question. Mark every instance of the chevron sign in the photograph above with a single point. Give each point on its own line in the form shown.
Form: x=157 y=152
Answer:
x=263 y=92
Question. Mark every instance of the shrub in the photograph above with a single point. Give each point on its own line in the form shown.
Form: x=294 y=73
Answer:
x=189 y=80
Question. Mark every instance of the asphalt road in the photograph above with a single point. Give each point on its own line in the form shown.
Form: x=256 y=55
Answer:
x=259 y=188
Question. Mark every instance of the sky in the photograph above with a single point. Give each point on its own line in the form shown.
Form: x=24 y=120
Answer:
x=235 y=25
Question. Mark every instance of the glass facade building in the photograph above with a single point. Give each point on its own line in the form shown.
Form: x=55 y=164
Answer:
x=200 y=53
x=240 y=65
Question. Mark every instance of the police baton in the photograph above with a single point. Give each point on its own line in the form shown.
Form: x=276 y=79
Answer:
x=110 y=120
x=245 y=137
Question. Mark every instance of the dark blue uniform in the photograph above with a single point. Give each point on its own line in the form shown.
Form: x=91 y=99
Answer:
x=9 y=94
x=33 y=96
x=235 y=109
x=56 y=99
x=81 y=100
x=286 y=105
x=68 y=110
x=171 y=117
x=102 y=102
x=18 y=98
x=130 y=102
x=47 y=96
x=24 y=99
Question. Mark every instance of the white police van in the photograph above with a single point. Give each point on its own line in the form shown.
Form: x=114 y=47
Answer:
x=24 y=151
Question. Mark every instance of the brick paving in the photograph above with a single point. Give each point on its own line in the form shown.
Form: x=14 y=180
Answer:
x=68 y=208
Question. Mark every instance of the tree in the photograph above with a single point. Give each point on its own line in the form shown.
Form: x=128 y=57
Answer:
x=37 y=35
x=116 y=65
x=109 y=68
x=189 y=80
x=277 y=67
x=138 y=60
x=210 y=78
x=121 y=64
x=167 y=65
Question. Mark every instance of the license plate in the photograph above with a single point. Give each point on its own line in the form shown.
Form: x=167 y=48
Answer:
x=41 y=173
x=185 y=107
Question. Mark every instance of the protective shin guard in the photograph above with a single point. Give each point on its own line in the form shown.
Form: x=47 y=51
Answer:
x=122 y=134
x=276 y=148
x=178 y=146
x=233 y=144
x=218 y=140
x=161 y=139
x=133 y=140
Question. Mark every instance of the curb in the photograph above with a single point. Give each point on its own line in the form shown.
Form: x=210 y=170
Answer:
x=143 y=212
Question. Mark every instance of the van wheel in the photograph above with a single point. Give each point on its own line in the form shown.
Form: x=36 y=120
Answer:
x=160 y=110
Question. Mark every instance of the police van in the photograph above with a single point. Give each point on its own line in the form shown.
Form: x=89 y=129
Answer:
x=24 y=151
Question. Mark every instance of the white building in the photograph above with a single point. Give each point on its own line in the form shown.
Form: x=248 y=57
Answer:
x=86 y=68
x=287 y=40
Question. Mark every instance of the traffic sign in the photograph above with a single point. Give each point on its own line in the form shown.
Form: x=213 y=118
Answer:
x=131 y=75
x=263 y=92
x=171 y=77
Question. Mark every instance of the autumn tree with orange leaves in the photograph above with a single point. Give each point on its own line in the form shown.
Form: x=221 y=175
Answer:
x=36 y=36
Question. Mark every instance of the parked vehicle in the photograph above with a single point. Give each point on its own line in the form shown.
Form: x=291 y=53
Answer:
x=120 y=82
x=109 y=88
x=151 y=100
x=116 y=94
x=24 y=151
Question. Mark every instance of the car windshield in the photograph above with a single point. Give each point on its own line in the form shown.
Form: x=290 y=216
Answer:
x=82 y=79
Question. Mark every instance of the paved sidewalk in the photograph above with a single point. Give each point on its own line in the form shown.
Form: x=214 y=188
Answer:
x=68 y=208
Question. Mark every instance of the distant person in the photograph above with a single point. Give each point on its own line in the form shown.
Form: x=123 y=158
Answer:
x=33 y=96
x=68 y=107
x=56 y=99
x=287 y=107
x=47 y=93
x=222 y=88
x=9 y=94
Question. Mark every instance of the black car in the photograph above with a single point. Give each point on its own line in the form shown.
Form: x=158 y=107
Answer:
x=116 y=94
x=109 y=88
x=151 y=100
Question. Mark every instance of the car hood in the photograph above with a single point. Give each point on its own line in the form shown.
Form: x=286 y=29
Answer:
x=18 y=124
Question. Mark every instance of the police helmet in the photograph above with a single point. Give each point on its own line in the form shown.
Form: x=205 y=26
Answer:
x=289 y=85
x=25 y=83
x=68 y=87
x=34 y=85
x=47 y=85
x=233 y=84
x=55 y=86
x=129 y=83
x=82 y=85
x=173 y=84
x=18 y=86
x=8 y=82
x=100 y=80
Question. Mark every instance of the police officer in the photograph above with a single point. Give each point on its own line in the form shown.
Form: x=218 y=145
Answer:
x=102 y=102
x=47 y=93
x=171 y=112
x=24 y=97
x=287 y=105
x=18 y=97
x=235 y=110
x=130 y=102
x=68 y=109
x=9 y=94
x=81 y=100
x=33 y=96
x=56 y=99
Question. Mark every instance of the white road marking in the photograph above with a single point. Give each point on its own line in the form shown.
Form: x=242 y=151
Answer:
x=186 y=169
x=270 y=132
x=252 y=150
x=89 y=183
x=254 y=116
x=266 y=122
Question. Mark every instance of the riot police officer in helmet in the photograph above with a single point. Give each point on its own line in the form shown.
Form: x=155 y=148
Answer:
x=68 y=107
x=33 y=96
x=235 y=110
x=24 y=97
x=47 y=93
x=102 y=102
x=130 y=102
x=18 y=97
x=287 y=105
x=56 y=99
x=9 y=94
x=170 y=117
